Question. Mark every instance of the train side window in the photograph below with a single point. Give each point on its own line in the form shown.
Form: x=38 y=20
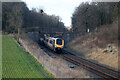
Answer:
x=47 y=40
x=51 y=41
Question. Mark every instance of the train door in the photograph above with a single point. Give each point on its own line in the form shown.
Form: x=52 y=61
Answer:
x=46 y=42
x=50 y=44
x=53 y=44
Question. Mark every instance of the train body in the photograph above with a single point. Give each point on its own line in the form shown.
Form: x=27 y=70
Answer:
x=55 y=44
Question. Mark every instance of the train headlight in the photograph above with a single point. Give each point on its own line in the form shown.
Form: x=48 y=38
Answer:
x=55 y=46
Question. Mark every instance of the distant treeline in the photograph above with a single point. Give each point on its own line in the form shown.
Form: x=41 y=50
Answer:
x=17 y=15
x=92 y=15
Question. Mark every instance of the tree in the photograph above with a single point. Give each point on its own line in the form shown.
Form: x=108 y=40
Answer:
x=92 y=15
x=16 y=16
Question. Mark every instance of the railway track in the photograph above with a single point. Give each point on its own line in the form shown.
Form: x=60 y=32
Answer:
x=92 y=66
x=47 y=50
x=98 y=69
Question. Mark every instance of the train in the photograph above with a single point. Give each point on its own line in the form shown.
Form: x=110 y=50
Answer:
x=54 y=43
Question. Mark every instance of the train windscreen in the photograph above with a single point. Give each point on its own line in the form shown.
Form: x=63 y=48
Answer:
x=59 y=41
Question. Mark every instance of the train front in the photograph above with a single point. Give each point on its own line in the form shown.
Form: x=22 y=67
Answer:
x=59 y=44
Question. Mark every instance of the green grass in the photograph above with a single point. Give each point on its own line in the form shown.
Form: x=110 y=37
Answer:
x=17 y=63
x=0 y=56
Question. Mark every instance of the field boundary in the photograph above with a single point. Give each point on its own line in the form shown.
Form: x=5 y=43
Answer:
x=0 y=56
x=29 y=56
x=18 y=63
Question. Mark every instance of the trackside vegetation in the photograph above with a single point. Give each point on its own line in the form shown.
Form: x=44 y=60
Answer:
x=17 y=63
x=0 y=56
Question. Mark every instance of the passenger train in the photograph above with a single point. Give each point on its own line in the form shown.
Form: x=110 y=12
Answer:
x=55 y=44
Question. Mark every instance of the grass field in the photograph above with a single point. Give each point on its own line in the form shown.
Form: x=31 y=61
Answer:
x=17 y=63
x=0 y=56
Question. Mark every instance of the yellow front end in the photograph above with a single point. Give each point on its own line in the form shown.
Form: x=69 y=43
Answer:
x=59 y=46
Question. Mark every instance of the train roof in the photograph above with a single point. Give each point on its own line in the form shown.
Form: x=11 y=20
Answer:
x=53 y=38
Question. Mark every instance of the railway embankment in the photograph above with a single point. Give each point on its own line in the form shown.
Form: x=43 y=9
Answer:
x=101 y=46
x=57 y=66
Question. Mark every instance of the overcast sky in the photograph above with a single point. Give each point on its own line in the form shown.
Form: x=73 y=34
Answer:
x=62 y=8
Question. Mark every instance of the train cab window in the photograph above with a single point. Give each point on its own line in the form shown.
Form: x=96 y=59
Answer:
x=59 y=41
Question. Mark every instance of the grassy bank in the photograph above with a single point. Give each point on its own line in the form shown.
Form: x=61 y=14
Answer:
x=0 y=56
x=17 y=63
x=101 y=46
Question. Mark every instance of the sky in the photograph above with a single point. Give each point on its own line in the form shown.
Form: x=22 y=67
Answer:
x=62 y=8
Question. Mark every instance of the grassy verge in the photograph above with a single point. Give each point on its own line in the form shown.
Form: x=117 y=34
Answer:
x=0 y=56
x=17 y=63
